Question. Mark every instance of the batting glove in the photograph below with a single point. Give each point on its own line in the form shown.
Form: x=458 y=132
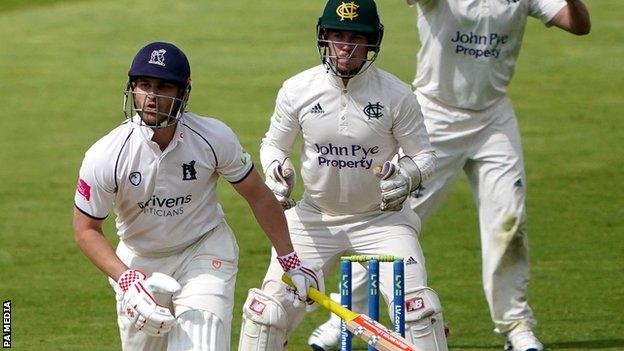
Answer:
x=280 y=178
x=397 y=182
x=303 y=276
x=139 y=303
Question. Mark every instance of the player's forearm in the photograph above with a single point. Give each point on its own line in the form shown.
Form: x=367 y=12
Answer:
x=97 y=249
x=267 y=210
x=270 y=217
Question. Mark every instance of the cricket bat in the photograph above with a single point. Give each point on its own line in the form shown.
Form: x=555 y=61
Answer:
x=361 y=325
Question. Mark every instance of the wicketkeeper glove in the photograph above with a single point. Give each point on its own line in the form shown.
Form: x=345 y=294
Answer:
x=280 y=178
x=397 y=182
x=139 y=303
x=303 y=275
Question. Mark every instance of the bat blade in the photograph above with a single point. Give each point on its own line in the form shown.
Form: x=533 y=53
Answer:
x=375 y=334
x=361 y=325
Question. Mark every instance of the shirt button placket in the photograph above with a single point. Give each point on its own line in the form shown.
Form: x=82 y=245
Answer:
x=343 y=122
x=160 y=175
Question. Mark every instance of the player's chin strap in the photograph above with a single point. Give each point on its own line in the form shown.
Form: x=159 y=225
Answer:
x=323 y=50
x=133 y=112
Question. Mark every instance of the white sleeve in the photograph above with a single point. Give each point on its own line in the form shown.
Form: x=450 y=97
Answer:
x=410 y=131
x=96 y=187
x=233 y=162
x=278 y=141
x=545 y=10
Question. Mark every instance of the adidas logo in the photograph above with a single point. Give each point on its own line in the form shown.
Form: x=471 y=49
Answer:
x=410 y=260
x=317 y=108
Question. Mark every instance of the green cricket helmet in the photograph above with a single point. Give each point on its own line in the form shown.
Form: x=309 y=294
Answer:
x=356 y=16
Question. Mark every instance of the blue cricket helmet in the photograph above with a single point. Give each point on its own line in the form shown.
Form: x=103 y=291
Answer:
x=161 y=60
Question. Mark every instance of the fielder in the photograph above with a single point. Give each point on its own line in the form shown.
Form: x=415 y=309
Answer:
x=353 y=118
x=175 y=266
x=465 y=63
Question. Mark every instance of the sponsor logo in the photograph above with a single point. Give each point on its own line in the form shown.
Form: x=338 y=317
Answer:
x=511 y=2
x=245 y=157
x=373 y=282
x=347 y=10
x=317 y=108
x=165 y=207
x=477 y=45
x=398 y=312
x=374 y=111
x=345 y=285
x=257 y=306
x=6 y=324
x=398 y=286
x=135 y=178
x=410 y=261
x=418 y=193
x=348 y=156
x=277 y=116
x=414 y=304
x=188 y=171
x=83 y=189
x=158 y=57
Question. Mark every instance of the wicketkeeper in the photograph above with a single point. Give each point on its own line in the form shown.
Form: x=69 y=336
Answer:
x=353 y=118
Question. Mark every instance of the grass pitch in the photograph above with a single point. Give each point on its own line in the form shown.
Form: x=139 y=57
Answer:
x=62 y=72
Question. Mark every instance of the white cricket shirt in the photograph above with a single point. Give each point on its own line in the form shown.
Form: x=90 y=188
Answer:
x=469 y=48
x=345 y=132
x=163 y=200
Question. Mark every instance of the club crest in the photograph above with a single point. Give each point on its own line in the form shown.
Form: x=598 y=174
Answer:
x=374 y=110
x=347 y=10
x=188 y=171
x=158 y=57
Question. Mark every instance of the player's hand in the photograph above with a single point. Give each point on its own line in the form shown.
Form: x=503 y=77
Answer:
x=397 y=182
x=280 y=178
x=139 y=303
x=303 y=275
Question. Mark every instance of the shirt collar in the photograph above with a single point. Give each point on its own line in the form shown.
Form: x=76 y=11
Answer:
x=354 y=81
x=147 y=133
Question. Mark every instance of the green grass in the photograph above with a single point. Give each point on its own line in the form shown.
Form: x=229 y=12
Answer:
x=62 y=70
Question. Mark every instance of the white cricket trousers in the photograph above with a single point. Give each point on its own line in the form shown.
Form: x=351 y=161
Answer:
x=486 y=146
x=322 y=239
x=207 y=272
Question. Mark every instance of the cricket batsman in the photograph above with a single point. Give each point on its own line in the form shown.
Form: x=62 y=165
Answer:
x=353 y=118
x=175 y=267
